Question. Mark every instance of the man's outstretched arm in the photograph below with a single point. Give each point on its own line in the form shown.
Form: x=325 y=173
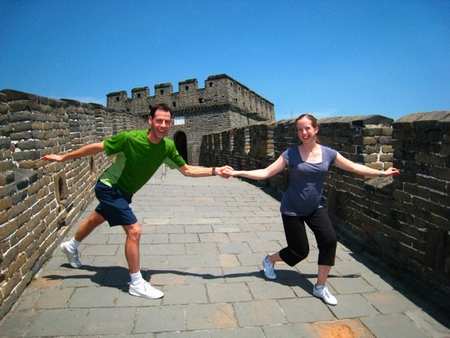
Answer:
x=89 y=149
x=197 y=171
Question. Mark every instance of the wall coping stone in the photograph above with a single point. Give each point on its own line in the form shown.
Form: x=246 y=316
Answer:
x=442 y=116
x=357 y=119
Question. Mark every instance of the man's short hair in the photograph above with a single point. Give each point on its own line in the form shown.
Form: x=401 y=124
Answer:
x=159 y=106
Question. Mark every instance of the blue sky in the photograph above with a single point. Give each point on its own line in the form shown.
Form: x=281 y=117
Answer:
x=346 y=57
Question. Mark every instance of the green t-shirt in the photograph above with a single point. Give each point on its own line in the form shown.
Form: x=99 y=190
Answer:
x=137 y=159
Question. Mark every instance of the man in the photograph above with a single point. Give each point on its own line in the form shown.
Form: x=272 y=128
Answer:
x=139 y=153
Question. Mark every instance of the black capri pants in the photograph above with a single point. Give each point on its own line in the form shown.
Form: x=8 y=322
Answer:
x=298 y=247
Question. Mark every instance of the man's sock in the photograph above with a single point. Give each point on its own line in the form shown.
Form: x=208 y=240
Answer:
x=136 y=278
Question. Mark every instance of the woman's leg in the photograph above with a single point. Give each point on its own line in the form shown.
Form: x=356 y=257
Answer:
x=320 y=224
x=323 y=230
x=297 y=242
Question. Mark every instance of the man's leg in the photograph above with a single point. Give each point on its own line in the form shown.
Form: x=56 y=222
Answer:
x=138 y=286
x=70 y=248
x=133 y=232
x=87 y=225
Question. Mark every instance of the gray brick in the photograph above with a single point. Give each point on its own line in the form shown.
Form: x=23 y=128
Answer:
x=154 y=238
x=92 y=297
x=183 y=238
x=188 y=261
x=210 y=316
x=162 y=249
x=234 y=248
x=204 y=275
x=397 y=325
x=390 y=302
x=54 y=298
x=159 y=318
x=350 y=285
x=250 y=332
x=58 y=322
x=242 y=274
x=270 y=290
x=352 y=306
x=201 y=248
x=305 y=310
x=234 y=292
x=109 y=321
x=191 y=334
x=290 y=331
x=100 y=250
x=197 y=228
x=214 y=237
x=16 y=324
x=257 y=313
x=184 y=294
x=250 y=259
x=264 y=246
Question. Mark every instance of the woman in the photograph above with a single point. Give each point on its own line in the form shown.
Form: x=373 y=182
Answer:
x=303 y=201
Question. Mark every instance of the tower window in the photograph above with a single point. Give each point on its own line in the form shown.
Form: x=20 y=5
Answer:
x=139 y=95
x=187 y=88
x=174 y=104
x=161 y=92
x=179 y=120
x=210 y=84
x=117 y=99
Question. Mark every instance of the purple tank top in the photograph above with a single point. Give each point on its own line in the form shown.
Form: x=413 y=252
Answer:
x=305 y=190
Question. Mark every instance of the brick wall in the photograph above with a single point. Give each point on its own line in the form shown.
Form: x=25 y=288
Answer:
x=403 y=222
x=38 y=199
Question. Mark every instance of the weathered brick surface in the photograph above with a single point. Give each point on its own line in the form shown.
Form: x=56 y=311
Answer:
x=403 y=221
x=32 y=218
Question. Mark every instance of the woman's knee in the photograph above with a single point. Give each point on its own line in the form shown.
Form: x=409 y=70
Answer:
x=328 y=243
x=300 y=252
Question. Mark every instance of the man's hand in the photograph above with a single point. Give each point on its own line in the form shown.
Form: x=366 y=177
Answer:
x=230 y=172
x=223 y=171
x=53 y=158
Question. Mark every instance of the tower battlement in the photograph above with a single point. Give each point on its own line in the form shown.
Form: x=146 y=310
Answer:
x=218 y=90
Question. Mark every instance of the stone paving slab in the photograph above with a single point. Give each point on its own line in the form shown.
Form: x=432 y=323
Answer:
x=205 y=253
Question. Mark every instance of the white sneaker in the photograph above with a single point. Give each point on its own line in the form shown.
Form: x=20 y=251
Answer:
x=144 y=289
x=268 y=268
x=321 y=291
x=72 y=254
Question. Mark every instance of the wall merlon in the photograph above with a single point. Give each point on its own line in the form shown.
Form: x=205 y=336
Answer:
x=188 y=86
x=163 y=89
x=118 y=93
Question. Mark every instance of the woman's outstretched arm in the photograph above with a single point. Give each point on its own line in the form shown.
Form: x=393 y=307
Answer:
x=260 y=174
x=360 y=169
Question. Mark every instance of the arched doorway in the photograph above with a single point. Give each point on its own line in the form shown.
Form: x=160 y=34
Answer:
x=181 y=144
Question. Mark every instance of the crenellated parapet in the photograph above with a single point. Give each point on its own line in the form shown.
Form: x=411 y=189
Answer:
x=218 y=90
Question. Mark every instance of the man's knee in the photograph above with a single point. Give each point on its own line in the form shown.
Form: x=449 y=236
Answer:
x=95 y=219
x=133 y=231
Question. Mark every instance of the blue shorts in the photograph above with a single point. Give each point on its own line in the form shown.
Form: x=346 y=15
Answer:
x=114 y=205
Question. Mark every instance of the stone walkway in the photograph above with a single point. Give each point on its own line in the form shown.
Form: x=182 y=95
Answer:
x=203 y=243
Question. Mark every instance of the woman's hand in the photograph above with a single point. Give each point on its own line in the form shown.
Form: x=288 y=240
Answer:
x=391 y=172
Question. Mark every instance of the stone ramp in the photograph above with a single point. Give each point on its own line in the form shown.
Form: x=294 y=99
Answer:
x=203 y=243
